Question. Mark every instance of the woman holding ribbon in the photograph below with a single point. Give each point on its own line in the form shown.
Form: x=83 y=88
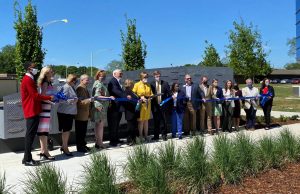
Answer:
x=99 y=107
x=266 y=101
x=143 y=90
x=228 y=106
x=217 y=94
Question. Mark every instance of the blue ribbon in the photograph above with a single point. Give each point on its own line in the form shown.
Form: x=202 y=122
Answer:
x=265 y=98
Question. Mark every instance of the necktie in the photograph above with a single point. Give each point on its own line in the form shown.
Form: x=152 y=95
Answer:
x=158 y=92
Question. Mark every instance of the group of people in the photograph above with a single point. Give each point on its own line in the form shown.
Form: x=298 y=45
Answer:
x=219 y=109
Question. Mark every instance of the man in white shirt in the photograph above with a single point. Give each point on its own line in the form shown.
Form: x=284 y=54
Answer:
x=250 y=105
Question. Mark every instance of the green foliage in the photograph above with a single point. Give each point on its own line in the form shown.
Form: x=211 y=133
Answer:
x=134 y=49
x=7 y=59
x=45 y=179
x=283 y=118
x=211 y=57
x=245 y=51
x=99 y=177
x=145 y=171
x=225 y=160
x=195 y=170
x=3 y=187
x=288 y=146
x=245 y=150
x=29 y=38
x=168 y=157
x=291 y=66
x=115 y=64
x=268 y=154
x=291 y=43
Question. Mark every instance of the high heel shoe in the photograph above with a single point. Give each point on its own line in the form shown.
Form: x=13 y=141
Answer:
x=45 y=157
x=66 y=153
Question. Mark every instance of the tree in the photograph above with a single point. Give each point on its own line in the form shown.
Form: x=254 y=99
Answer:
x=211 y=57
x=245 y=52
x=134 y=49
x=115 y=64
x=291 y=43
x=291 y=66
x=29 y=38
x=7 y=59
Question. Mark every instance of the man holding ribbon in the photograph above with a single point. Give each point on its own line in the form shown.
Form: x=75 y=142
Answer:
x=160 y=88
x=266 y=101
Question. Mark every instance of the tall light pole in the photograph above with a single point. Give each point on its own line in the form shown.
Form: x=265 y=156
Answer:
x=98 y=51
x=52 y=22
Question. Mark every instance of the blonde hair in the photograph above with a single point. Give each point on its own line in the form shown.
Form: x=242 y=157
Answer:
x=143 y=75
x=99 y=73
x=71 y=78
x=128 y=83
x=83 y=76
x=42 y=76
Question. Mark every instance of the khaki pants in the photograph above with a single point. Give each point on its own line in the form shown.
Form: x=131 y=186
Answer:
x=205 y=114
x=189 y=122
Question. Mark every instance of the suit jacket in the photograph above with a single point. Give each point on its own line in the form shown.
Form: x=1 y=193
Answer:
x=271 y=90
x=114 y=89
x=83 y=104
x=165 y=89
x=208 y=94
x=130 y=112
x=180 y=103
x=196 y=95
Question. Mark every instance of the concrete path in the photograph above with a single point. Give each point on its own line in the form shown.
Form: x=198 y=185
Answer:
x=72 y=167
x=275 y=114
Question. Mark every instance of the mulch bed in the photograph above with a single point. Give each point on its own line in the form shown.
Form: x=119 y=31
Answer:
x=286 y=180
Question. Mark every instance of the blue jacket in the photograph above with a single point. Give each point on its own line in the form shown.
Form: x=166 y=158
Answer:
x=181 y=102
x=196 y=95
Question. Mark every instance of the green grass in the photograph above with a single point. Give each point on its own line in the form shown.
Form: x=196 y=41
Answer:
x=195 y=170
x=168 y=157
x=144 y=170
x=99 y=176
x=225 y=160
x=45 y=179
x=289 y=146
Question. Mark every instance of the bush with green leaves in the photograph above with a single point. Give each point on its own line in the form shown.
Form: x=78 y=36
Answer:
x=195 y=170
x=46 y=179
x=225 y=161
x=246 y=156
x=144 y=170
x=168 y=157
x=268 y=153
x=289 y=146
x=99 y=176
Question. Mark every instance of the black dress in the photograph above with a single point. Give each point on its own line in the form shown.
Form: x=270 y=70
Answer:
x=237 y=105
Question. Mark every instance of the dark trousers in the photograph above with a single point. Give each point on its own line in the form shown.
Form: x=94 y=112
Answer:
x=80 y=133
x=250 y=117
x=132 y=129
x=31 y=130
x=159 y=118
x=113 y=121
x=227 y=116
x=267 y=113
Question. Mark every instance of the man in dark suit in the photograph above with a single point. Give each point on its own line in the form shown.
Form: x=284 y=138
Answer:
x=159 y=86
x=114 y=113
x=194 y=95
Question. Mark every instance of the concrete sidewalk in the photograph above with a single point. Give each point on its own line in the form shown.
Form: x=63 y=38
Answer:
x=72 y=167
x=275 y=114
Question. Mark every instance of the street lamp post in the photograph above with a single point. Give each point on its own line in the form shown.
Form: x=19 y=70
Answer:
x=98 y=51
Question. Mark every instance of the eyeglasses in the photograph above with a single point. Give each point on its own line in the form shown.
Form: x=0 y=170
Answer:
x=188 y=78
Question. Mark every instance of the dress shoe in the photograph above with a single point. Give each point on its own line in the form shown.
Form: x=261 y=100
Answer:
x=180 y=137
x=45 y=157
x=31 y=163
x=66 y=153
x=164 y=137
x=87 y=148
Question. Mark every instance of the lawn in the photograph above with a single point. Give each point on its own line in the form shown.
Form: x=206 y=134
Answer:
x=283 y=91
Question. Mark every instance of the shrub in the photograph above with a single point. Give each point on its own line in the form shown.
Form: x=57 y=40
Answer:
x=294 y=117
x=168 y=157
x=195 y=170
x=45 y=179
x=99 y=176
x=283 y=118
x=145 y=171
x=245 y=150
x=288 y=145
x=225 y=160
x=268 y=153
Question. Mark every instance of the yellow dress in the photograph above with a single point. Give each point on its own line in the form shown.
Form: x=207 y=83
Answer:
x=143 y=89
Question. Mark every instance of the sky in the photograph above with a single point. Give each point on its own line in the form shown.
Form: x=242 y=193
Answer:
x=173 y=30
